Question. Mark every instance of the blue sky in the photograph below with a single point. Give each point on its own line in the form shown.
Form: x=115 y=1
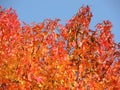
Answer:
x=38 y=10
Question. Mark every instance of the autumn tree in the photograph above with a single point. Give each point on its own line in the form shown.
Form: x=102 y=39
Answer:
x=52 y=56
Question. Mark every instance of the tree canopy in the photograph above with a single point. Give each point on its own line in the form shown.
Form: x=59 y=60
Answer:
x=52 y=56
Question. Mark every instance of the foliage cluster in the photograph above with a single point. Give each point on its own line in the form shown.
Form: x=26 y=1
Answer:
x=50 y=56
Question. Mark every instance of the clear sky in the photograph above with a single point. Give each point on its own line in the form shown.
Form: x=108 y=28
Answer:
x=38 y=10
